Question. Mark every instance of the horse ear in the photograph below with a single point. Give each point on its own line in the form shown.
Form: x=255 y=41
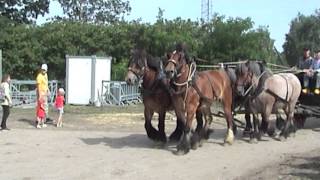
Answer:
x=168 y=55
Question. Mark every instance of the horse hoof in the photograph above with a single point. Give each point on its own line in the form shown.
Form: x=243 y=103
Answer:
x=292 y=135
x=181 y=152
x=195 y=145
x=253 y=141
x=282 y=138
x=175 y=137
x=259 y=136
x=230 y=137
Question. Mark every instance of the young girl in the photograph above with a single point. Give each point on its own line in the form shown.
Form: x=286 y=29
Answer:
x=59 y=106
x=41 y=114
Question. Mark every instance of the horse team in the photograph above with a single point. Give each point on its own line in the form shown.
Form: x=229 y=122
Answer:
x=191 y=93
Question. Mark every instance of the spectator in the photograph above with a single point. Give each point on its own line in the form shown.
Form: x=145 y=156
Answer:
x=59 y=106
x=316 y=71
x=42 y=87
x=41 y=114
x=6 y=102
x=305 y=64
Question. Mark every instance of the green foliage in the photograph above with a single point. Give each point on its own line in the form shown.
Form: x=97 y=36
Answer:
x=304 y=32
x=25 y=47
x=23 y=11
x=96 y=11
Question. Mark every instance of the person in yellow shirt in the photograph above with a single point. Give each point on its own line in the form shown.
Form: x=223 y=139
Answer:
x=42 y=87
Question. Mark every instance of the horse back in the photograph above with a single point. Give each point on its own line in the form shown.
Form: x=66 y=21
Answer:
x=285 y=85
x=215 y=81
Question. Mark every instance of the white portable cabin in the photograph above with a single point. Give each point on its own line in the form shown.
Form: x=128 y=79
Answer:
x=84 y=75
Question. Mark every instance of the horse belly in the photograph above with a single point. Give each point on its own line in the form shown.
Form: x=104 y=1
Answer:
x=158 y=103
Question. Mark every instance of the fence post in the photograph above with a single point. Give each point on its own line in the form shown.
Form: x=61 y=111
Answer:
x=0 y=64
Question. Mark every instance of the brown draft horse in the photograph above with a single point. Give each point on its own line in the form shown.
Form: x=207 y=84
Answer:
x=197 y=91
x=155 y=95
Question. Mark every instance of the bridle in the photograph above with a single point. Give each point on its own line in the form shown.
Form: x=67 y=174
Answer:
x=139 y=74
x=177 y=66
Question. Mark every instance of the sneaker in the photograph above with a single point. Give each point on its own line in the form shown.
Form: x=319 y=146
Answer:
x=38 y=126
x=44 y=125
x=305 y=90
x=317 y=91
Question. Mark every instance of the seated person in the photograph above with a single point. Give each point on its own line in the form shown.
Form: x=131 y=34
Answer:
x=305 y=64
x=316 y=71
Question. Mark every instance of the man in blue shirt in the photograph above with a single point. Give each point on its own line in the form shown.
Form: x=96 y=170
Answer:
x=316 y=71
x=305 y=64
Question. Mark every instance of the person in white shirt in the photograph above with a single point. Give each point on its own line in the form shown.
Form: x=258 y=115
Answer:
x=6 y=100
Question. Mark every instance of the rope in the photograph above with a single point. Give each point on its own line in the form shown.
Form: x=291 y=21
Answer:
x=192 y=70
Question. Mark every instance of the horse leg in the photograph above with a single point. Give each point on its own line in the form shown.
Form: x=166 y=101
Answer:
x=228 y=115
x=177 y=133
x=254 y=133
x=195 y=140
x=248 y=127
x=286 y=130
x=161 y=127
x=184 y=145
x=151 y=131
x=191 y=105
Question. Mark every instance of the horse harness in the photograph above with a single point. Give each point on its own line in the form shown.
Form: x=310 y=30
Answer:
x=191 y=82
x=257 y=92
x=278 y=97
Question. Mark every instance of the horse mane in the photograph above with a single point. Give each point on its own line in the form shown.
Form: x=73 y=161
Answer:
x=232 y=74
x=182 y=48
x=258 y=68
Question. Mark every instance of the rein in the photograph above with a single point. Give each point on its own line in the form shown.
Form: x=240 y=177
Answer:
x=252 y=85
x=191 y=73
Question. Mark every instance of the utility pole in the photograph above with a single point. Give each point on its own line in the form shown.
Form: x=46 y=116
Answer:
x=206 y=10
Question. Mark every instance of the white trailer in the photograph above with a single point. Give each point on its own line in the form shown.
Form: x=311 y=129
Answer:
x=84 y=75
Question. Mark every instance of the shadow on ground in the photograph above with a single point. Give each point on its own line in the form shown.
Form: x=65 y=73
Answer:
x=131 y=141
x=304 y=167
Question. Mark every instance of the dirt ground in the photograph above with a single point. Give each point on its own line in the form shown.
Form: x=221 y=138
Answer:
x=110 y=143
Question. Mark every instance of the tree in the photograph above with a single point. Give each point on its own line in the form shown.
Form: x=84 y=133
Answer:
x=23 y=11
x=304 y=32
x=96 y=11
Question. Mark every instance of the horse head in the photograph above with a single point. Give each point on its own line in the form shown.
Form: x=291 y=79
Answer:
x=136 y=66
x=247 y=76
x=175 y=62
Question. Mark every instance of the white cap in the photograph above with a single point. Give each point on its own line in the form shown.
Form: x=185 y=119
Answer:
x=44 y=67
x=61 y=90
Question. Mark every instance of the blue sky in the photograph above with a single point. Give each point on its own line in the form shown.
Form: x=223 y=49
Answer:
x=275 y=14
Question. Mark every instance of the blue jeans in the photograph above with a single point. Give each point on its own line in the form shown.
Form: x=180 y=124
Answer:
x=307 y=78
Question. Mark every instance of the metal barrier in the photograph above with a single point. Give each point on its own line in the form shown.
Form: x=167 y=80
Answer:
x=24 y=91
x=119 y=93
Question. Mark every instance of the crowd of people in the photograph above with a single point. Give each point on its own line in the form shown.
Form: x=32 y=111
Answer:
x=42 y=107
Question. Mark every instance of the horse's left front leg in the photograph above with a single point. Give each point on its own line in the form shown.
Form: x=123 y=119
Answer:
x=228 y=114
x=184 y=144
x=161 y=127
